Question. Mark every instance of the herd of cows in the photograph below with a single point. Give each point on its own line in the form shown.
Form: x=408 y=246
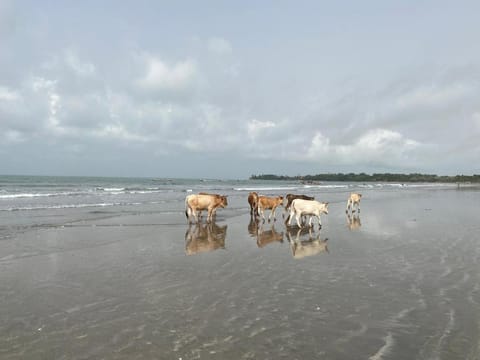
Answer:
x=210 y=236
x=298 y=206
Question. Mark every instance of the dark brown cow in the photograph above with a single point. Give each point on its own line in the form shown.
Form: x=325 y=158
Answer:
x=195 y=203
x=203 y=238
x=253 y=202
x=291 y=197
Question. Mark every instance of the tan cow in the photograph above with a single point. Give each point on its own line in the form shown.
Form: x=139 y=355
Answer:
x=253 y=202
x=302 y=207
x=268 y=203
x=203 y=238
x=353 y=200
x=197 y=202
x=303 y=248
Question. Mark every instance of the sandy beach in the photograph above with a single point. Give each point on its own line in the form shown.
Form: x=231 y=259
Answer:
x=399 y=281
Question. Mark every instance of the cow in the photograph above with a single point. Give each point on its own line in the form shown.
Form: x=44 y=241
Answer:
x=253 y=202
x=215 y=211
x=291 y=197
x=302 y=207
x=203 y=238
x=353 y=200
x=195 y=203
x=353 y=221
x=265 y=202
x=302 y=248
x=265 y=237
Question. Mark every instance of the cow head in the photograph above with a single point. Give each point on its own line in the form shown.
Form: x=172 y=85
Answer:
x=325 y=208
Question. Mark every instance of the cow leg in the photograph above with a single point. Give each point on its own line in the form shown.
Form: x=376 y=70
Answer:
x=298 y=217
x=348 y=205
x=310 y=222
x=209 y=215
x=195 y=215
x=261 y=214
x=290 y=216
x=273 y=212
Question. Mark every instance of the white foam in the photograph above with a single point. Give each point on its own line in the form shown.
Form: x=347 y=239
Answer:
x=385 y=349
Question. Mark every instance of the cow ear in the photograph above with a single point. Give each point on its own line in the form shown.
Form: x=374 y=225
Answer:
x=326 y=204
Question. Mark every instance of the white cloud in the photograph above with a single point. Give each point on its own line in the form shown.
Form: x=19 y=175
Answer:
x=8 y=95
x=161 y=76
x=435 y=95
x=256 y=127
x=118 y=132
x=219 y=46
x=79 y=67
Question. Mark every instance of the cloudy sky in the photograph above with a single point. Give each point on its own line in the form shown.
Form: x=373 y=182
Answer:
x=226 y=89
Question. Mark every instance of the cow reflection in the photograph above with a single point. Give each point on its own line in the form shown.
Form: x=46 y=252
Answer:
x=302 y=248
x=264 y=237
x=204 y=238
x=353 y=221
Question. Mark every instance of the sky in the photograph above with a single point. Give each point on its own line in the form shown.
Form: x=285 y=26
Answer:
x=227 y=89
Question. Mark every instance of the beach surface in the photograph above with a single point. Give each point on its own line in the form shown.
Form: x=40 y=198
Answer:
x=400 y=280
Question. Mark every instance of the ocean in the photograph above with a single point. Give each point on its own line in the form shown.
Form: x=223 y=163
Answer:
x=28 y=201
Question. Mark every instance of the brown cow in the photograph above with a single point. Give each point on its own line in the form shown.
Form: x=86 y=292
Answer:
x=203 y=238
x=197 y=202
x=253 y=201
x=265 y=202
x=353 y=200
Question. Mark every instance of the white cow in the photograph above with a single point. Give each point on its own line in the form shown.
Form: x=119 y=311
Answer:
x=302 y=207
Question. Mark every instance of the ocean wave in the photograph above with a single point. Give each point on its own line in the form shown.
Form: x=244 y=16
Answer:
x=34 y=195
x=273 y=188
x=69 y=206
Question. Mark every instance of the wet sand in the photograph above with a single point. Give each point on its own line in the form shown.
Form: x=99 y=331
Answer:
x=401 y=281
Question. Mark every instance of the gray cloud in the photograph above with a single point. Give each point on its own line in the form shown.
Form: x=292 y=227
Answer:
x=221 y=99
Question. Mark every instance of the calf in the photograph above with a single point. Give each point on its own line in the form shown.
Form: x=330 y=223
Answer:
x=302 y=207
x=271 y=203
x=195 y=203
x=353 y=200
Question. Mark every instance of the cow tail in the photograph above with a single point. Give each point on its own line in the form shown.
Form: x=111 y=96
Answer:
x=186 y=208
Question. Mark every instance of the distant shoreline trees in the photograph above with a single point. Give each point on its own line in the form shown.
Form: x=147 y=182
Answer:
x=380 y=177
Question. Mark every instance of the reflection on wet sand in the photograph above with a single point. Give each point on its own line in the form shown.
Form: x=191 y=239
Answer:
x=207 y=237
x=264 y=237
x=302 y=248
x=353 y=221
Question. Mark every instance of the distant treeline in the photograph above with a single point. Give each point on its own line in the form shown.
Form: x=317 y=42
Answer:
x=362 y=177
